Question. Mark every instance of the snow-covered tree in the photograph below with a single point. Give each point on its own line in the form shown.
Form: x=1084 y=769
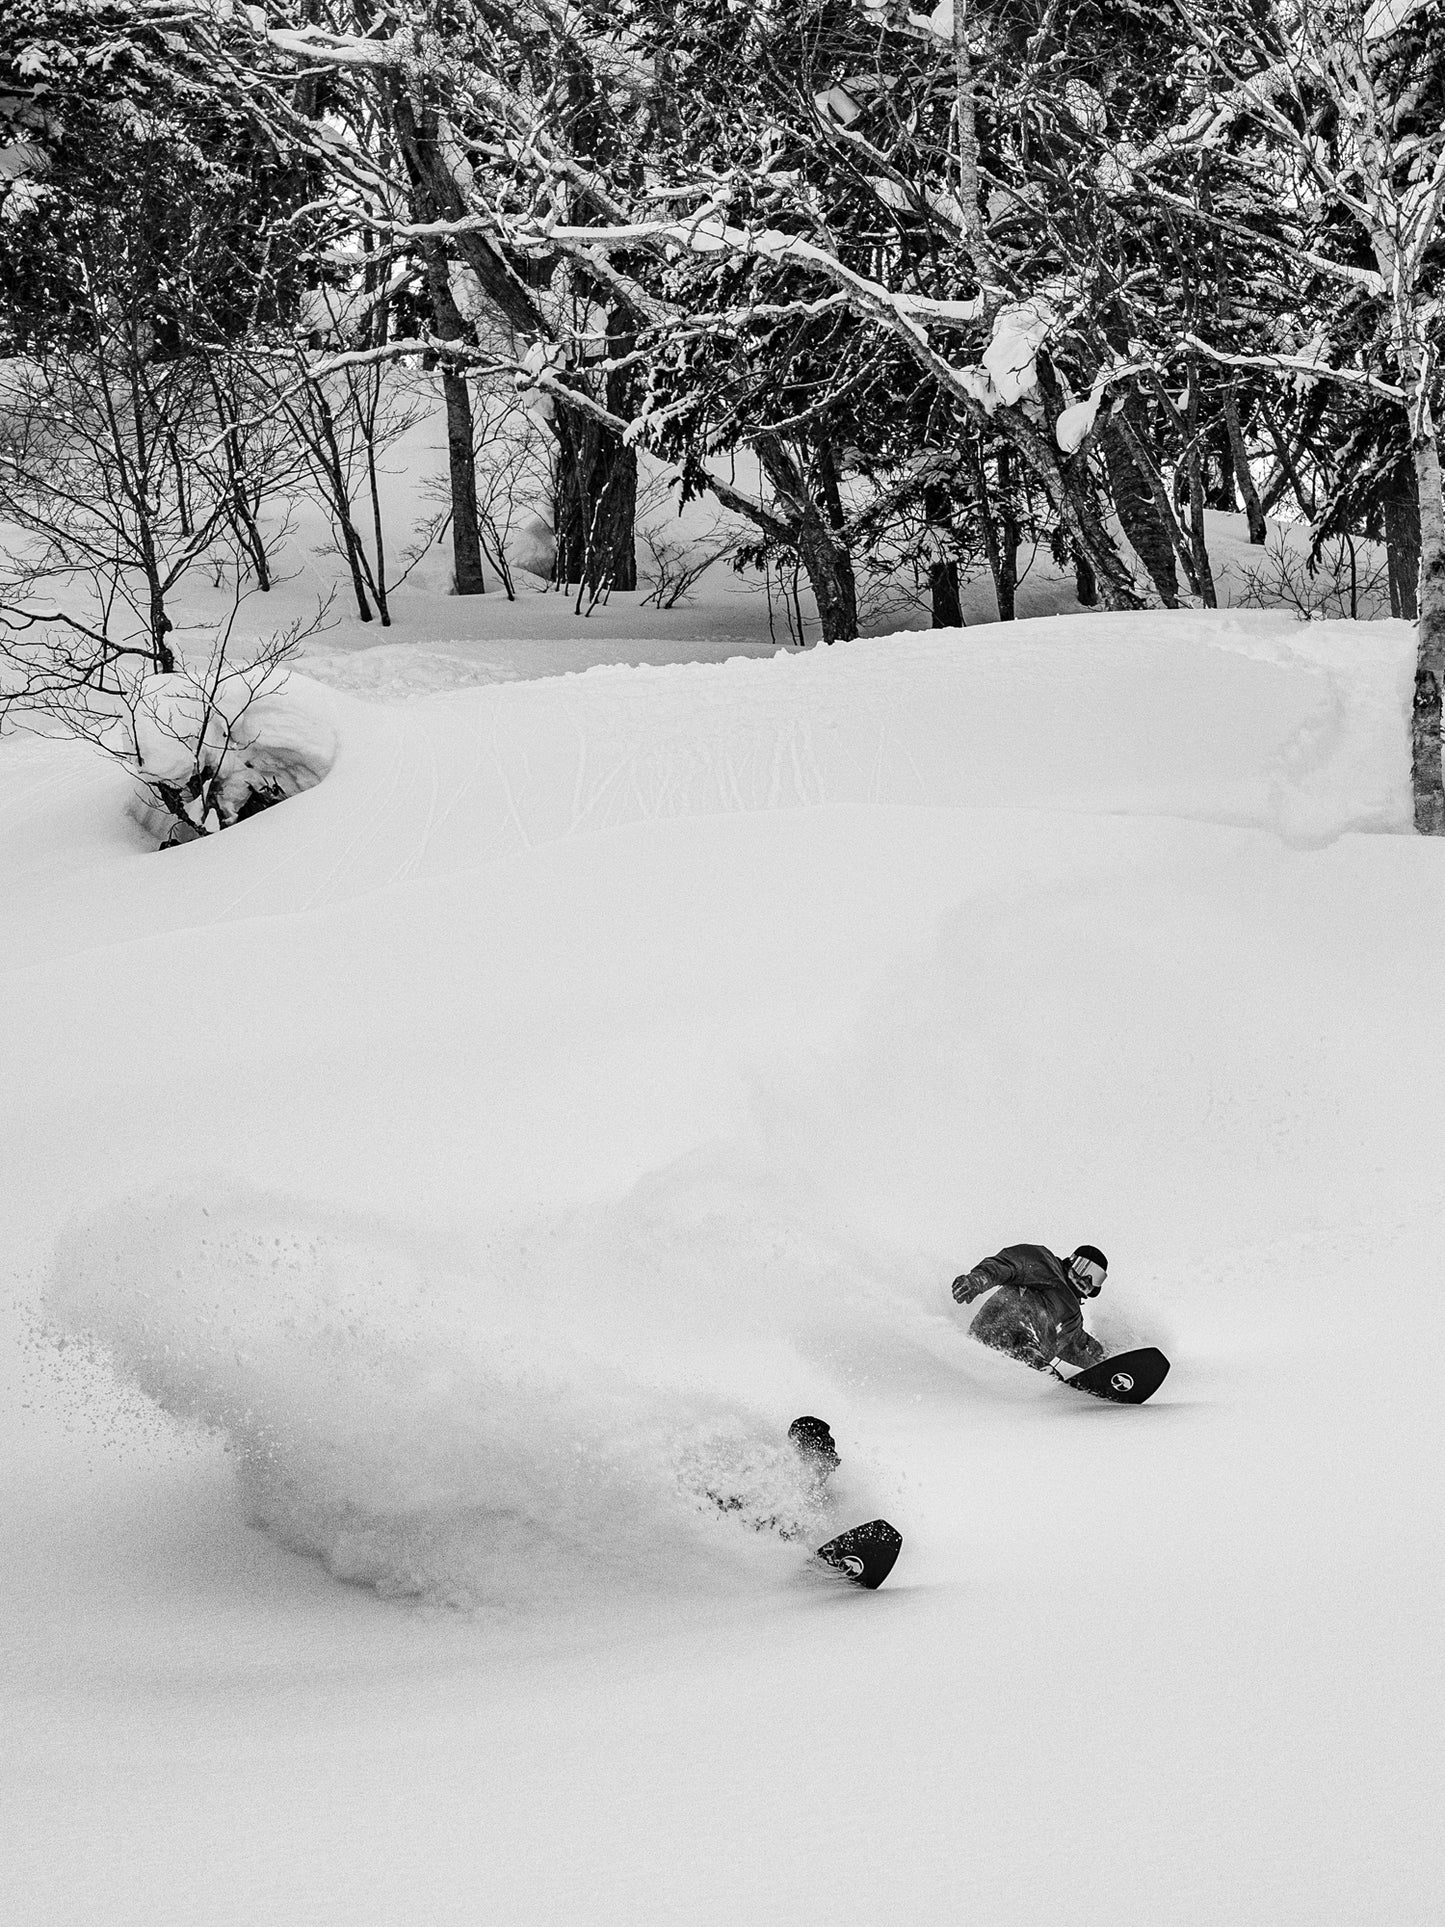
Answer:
x=1327 y=120
x=144 y=248
x=454 y=110
x=588 y=172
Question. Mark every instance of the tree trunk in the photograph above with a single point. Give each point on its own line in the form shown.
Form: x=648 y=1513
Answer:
x=830 y=577
x=242 y=515
x=161 y=651
x=594 y=505
x=1426 y=778
x=462 y=469
x=418 y=134
x=1139 y=514
x=160 y=622
x=1000 y=527
x=1197 y=539
x=825 y=466
x=1194 y=467
x=328 y=451
x=461 y=456
x=1006 y=581
x=378 y=579
x=945 y=605
x=827 y=562
x=1072 y=494
x=1005 y=563
x=1164 y=507
x=1402 y=542
x=1220 y=470
x=840 y=585
x=183 y=501
x=1114 y=583
x=1258 y=527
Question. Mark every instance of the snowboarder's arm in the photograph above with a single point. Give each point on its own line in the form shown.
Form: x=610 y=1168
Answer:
x=969 y=1285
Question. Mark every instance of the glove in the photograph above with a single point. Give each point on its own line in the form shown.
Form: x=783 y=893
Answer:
x=968 y=1285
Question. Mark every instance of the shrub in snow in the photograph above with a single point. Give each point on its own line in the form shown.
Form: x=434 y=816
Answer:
x=208 y=749
x=1329 y=582
x=675 y=566
x=209 y=742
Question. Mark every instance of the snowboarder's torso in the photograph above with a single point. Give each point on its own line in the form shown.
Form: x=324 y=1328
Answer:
x=1034 y=1312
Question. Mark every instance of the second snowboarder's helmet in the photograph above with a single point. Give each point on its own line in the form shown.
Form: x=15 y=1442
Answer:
x=814 y=1440
x=1088 y=1268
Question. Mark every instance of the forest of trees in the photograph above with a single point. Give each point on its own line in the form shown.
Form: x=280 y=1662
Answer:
x=954 y=283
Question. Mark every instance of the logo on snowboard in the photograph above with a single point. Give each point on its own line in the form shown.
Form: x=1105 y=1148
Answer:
x=1122 y=1382
x=853 y=1566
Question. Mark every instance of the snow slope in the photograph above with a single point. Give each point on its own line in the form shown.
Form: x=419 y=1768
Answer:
x=455 y=1175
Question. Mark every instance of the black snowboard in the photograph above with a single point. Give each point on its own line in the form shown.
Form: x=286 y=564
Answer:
x=1128 y=1378
x=865 y=1555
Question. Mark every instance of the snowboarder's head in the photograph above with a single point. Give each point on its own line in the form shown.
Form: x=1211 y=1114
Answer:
x=815 y=1445
x=1087 y=1269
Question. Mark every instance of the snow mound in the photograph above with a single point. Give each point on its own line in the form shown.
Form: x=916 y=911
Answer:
x=392 y=670
x=1345 y=766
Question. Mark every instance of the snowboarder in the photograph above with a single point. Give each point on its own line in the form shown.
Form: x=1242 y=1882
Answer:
x=1035 y=1314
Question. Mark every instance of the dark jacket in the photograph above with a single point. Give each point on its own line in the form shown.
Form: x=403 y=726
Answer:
x=1034 y=1312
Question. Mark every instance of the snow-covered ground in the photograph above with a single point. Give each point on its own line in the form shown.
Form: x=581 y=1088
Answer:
x=444 y=1181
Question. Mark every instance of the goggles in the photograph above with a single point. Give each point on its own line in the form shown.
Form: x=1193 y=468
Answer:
x=1087 y=1276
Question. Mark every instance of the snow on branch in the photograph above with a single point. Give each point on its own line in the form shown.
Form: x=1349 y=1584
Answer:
x=1300 y=365
x=708 y=233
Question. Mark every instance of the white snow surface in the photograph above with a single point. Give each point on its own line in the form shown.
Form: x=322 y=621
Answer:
x=423 y=1196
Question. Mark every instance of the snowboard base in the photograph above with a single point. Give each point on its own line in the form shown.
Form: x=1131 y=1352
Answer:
x=1128 y=1378
x=865 y=1555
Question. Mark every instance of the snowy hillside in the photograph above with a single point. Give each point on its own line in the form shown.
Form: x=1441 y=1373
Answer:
x=453 y=1179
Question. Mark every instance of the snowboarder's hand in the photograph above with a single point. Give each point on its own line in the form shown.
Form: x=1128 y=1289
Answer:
x=967 y=1286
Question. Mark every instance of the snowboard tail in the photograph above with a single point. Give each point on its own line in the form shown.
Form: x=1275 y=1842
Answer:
x=865 y=1555
x=1128 y=1378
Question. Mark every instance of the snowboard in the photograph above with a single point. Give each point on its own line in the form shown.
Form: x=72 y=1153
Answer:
x=865 y=1555
x=1128 y=1378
